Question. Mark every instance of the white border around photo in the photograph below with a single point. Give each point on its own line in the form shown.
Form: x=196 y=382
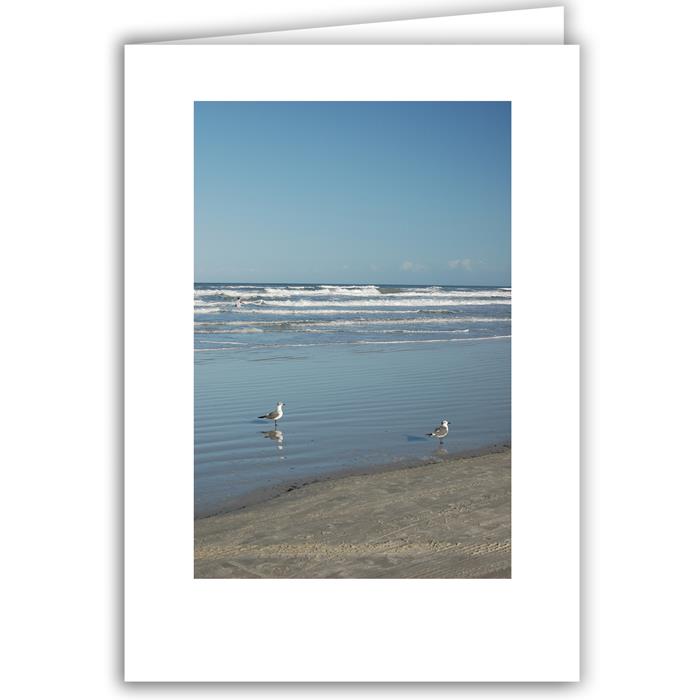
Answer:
x=182 y=629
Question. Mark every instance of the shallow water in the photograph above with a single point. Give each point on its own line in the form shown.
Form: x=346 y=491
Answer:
x=354 y=399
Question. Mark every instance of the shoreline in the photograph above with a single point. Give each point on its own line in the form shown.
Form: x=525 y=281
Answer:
x=441 y=519
x=263 y=494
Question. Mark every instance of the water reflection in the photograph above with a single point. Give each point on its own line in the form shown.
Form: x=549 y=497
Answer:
x=276 y=436
x=441 y=451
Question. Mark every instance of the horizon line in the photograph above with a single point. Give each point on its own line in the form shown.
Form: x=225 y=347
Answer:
x=364 y=284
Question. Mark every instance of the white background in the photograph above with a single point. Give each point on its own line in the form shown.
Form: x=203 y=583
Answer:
x=61 y=354
x=520 y=629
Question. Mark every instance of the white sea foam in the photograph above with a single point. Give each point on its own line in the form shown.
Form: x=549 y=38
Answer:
x=402 y=331
x=377 y=302
x=306 y=311
x=209 y=309
x=417 y=321
x=237 y=330
x=317 y=323
x=261 y=293
x=326 y=290
x=420 y=314
x=432 y=340
x=324 y=331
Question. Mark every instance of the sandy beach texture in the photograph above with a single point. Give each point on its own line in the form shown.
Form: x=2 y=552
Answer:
x=444 y=520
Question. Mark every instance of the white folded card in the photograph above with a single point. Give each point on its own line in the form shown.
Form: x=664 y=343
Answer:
x=536 y=26
x=367 y=470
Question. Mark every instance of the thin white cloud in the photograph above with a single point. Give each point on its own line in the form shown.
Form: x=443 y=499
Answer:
x=409 y=266
x=463 y=264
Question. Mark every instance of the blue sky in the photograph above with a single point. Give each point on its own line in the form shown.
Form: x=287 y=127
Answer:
x=367 y=192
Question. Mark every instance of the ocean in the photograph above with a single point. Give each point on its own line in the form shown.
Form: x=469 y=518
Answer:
x=364 y=370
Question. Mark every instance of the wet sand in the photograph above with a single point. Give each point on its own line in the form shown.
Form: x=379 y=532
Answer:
x=445 y=520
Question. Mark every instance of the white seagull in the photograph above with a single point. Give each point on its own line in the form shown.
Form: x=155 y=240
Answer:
x=441 y=431
x=276 y=414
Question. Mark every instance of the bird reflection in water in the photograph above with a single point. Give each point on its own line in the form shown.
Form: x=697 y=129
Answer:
x=276 y=436
x=441 y=451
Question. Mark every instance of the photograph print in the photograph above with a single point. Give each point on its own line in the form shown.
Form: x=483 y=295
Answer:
x=352 y=340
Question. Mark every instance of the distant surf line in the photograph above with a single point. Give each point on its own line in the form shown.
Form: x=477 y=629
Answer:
x=352 y=342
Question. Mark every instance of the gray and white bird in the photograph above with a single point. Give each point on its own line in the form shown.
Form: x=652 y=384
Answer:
x=441 y=431
x=276 y=414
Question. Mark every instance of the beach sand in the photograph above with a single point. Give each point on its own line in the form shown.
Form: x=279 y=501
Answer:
x=449 y=519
